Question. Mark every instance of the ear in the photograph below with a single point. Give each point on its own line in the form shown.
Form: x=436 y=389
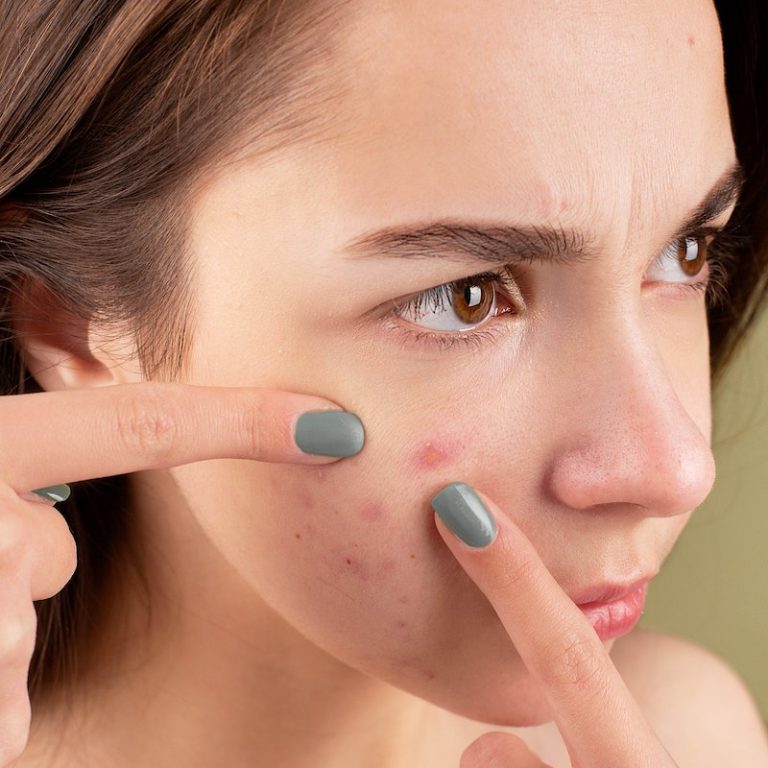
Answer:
x=61 y=350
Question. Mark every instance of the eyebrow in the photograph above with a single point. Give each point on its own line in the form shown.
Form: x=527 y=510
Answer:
x=461 y=240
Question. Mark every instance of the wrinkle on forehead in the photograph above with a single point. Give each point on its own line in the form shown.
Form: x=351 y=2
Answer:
x=573 y=108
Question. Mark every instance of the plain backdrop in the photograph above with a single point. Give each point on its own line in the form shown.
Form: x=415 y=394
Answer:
x=713 y=587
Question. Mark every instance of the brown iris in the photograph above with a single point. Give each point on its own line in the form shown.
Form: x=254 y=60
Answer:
x=471 y=301
x=692 y=259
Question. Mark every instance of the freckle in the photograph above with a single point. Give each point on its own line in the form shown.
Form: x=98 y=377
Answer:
x=413 y=557
x=298 y=535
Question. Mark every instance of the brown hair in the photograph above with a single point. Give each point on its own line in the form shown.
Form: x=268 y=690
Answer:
x=110 y=113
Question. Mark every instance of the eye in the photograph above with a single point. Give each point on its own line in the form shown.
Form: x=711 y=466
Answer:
x=687 y=255
x=461 y=305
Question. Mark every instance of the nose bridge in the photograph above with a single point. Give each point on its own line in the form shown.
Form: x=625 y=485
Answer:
x=626 y=436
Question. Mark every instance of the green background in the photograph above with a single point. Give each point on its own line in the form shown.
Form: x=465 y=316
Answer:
x=713 y=587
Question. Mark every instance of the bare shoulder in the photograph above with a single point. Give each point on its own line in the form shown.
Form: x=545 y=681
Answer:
x=697 y=703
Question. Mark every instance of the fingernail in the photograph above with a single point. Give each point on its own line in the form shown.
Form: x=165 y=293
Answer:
x=54 y=492
x=462 y=510
x=329 y=433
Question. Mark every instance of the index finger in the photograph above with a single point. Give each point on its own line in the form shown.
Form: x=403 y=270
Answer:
x=65 y=436
x=599 y=719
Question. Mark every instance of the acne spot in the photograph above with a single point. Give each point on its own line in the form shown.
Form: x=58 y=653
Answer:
x=320 y=474
x=401 y=624
x=403 y=599
x=429 y=674
x=434 y=454
x=691 y=41
x=371 y=511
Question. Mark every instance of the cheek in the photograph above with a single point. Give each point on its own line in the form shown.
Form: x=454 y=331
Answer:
x=349 y=555
x=357 y=552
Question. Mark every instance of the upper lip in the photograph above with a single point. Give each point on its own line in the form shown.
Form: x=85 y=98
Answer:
x=608 y=591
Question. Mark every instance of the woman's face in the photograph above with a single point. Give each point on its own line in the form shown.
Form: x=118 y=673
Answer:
x=580 y=402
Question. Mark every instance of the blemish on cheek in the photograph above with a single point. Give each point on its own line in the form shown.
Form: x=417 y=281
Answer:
x=401 y=624
x=371 y=511
x=307 y=501
x=297 y=535
x=434 y=454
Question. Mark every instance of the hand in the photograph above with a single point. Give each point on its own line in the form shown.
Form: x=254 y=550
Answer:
x=600 y=722
x=58 y=437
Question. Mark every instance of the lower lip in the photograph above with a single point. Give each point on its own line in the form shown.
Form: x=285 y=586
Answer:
x=618 y=617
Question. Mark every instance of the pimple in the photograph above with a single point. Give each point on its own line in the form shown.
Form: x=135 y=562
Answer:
x=435 y=453
x=371 y=511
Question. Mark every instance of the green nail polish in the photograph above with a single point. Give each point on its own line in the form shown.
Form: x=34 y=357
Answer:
x=54 y=492
x=329 y=433
x=462 y=510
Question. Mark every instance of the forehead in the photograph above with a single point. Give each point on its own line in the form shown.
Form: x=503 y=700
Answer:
x=485 y=107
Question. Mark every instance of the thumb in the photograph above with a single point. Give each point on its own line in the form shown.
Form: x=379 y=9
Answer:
x=499 y=750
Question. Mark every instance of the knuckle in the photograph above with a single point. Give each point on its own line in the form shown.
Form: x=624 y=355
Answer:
x=17 y=634
x=13 y=539
x=575 y=664
x=16 y=718
x=66 y=551
x=255 y=415
x=147 y=424
x=512 y=573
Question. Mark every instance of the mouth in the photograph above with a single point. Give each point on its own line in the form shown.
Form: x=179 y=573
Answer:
x=618 y=610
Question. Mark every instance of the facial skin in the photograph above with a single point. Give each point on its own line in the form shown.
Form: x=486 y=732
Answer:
x=587 y=419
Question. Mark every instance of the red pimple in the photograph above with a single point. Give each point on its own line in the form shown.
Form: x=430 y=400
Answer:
x=435 y=453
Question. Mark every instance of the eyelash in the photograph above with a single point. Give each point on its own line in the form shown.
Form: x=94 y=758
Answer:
x=720 y=252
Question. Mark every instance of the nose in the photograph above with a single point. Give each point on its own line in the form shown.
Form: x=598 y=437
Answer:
x=625 y=435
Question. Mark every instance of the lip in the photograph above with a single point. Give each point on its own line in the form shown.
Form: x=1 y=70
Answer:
x=606 y=592
x=616 y=617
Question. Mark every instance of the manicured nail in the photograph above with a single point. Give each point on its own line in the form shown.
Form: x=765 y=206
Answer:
x=329 y=433
x=462 y=510
x=54 y=492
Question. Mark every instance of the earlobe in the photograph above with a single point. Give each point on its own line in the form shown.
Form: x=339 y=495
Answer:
x=59 y=349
